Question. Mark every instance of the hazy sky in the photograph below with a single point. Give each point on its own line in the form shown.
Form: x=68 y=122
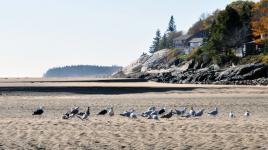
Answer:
x=38 y=34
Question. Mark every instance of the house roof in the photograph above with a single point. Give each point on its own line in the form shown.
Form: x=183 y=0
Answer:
x=196 y=40
x=182 y=37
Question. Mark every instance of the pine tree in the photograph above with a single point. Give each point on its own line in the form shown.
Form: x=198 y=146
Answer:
x=171 y=25
x=164 y=42
x=156 y=43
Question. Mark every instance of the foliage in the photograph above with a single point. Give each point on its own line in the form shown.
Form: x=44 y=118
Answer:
x=261 y=58
x=176 y=53
x=163 y=42
x=82 y=71
x=260 y=20
x=183 y=56
x=171 y=25
x=229 y=30
x=170 y=38
x=239 y=23
x=204 y=23
x=167 y=40
x=156 y=43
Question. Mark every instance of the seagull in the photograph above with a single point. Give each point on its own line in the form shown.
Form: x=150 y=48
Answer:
x=66 y=116
x=168 y=115
x=127 y=113
x=148 y=112
x=247 y=113
x=180 y=111
x=161 y=111
x=214 y=112
x=154 y=113
x=133 y=115
x=199 y=113
x=186 y=115
x=111 y=111
x=74 y=111
x=231 y=115
x=103 y=112
x=192 y=111
x=85 y=115
x=39 y=111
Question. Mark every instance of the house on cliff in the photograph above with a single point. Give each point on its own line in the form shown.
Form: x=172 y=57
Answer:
x=189 y=42
x=252 y=47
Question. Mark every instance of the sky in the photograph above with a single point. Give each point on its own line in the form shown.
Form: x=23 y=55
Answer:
x=36 y=35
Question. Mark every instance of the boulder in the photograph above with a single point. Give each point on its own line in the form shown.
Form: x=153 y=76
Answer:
x=135 y=67
x=186 y=65
x=157 y=60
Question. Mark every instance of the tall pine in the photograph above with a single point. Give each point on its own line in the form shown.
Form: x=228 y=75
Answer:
x=171 y=25
x=156 y=42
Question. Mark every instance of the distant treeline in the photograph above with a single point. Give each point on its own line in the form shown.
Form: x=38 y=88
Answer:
x=82 y=71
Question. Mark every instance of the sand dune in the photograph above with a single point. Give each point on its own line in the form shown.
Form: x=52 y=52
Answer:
x=20 y=130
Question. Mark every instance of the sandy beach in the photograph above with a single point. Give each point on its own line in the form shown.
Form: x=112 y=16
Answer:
x=20 y=130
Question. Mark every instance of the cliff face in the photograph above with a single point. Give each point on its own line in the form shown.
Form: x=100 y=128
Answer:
x=158 y=67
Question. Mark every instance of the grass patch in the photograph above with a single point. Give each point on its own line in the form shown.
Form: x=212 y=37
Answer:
x=261 y=58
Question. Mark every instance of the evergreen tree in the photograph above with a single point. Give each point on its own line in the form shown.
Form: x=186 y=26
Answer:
x=171 y=25
x=156 y=43
x=163 y=42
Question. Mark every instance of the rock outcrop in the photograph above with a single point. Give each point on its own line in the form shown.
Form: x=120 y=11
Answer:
x=157 y=68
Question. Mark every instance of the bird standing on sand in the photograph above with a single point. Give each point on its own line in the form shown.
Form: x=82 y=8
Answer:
x=186 y=115
x=111 y=111
x=74 y=111
x=85 y=115
x=192 y=112
x=147 y=113
x=103 y=112
x=154 y=113
x=247 y=114
x=161 y=111
x=180 y=111
x=214 y=112
x=127 y=113
x=66 y=116
x=39 y=111
x=199 y=113
x=231 y=115
x=168 y=115
x=133 y=115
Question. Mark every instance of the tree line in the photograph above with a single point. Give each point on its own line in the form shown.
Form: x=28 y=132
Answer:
x=165 y=41
x=82 y=71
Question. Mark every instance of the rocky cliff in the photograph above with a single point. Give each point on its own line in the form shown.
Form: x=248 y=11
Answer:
x=159 y=67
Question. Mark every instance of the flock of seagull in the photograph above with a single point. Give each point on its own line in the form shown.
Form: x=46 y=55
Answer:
x=151 y=113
